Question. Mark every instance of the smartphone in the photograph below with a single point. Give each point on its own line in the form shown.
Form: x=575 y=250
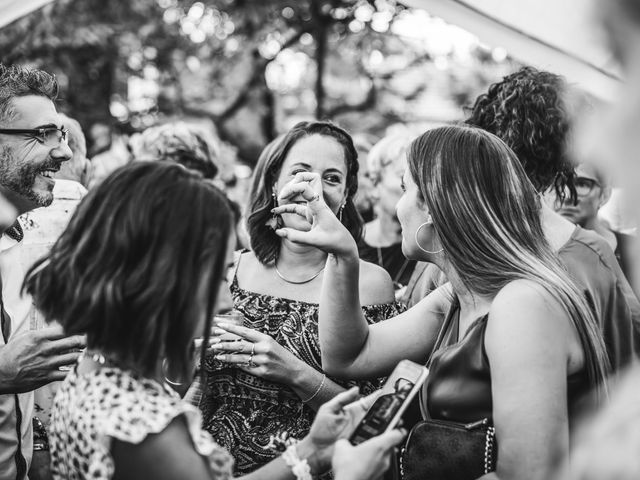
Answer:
x=397 y=392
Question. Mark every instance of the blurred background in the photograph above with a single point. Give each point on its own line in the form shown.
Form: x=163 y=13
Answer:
x=247 y=70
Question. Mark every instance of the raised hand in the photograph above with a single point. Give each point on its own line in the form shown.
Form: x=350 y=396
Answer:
x=327 y=232
x=32 y=359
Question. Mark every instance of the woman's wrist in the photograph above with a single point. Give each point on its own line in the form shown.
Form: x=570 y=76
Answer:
x=345 y=256
x=300 y=375
x=306 y=450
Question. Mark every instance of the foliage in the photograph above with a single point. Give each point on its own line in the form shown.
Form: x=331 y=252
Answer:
x=251 y=66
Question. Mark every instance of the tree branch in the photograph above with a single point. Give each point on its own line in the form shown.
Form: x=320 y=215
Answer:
x=368 y=102
x=259 y=65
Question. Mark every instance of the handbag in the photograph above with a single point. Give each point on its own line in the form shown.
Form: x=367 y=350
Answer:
x=442 y=450
x=446 y=450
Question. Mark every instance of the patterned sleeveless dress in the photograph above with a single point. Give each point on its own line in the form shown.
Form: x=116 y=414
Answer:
x=252 y=417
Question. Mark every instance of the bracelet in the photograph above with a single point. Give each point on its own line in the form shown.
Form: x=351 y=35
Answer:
x=315 y=394
x=299 y=467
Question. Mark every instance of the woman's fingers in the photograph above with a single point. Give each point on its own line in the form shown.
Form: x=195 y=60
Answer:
x=236 y=347
x=386 y=441
x=337 y=403
x=296 y=236
x=240 y=359
x=310 y=190
x=291 y=208
x=246 y=333
x=358 y=408
x=306 y=177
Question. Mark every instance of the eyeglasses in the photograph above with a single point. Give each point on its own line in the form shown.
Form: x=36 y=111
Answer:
x=48 y=136
x=584 y=186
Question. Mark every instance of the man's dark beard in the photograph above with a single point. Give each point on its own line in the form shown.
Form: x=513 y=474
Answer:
x=20 y=178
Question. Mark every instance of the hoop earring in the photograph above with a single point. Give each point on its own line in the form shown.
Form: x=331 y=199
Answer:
x=418 y=243
x=165 y=374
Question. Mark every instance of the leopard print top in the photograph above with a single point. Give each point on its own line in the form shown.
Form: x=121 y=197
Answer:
x=91 y=410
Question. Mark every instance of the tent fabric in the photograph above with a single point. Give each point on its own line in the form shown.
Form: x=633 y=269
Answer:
x=561 y=36
x=11 y=10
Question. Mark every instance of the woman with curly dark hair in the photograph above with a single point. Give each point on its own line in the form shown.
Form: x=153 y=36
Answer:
x=527 y=111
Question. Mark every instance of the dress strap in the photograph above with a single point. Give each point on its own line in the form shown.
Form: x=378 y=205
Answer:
x=232 y=273
x=451 y=316
x=454 y=310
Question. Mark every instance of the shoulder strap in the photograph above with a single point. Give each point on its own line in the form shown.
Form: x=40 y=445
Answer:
x=233 y=270
x=453 y=310
x=422 y=394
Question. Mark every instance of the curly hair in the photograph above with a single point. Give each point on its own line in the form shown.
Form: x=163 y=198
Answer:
x=264 y=242
x=130 y=268
x=17 y=81
x=526 y=110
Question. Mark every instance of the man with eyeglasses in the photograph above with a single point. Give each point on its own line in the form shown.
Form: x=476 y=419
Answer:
x=593 y=191
x=32 y=148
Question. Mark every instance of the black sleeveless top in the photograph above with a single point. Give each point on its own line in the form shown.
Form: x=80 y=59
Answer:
x=459 y=384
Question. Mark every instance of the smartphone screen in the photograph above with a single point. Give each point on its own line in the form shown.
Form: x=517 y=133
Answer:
x=400 y=388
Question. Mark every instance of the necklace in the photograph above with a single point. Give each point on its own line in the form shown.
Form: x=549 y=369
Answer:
x=294 y=282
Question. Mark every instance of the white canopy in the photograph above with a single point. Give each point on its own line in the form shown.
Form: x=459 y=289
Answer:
x=11 y=10
x=561 y=36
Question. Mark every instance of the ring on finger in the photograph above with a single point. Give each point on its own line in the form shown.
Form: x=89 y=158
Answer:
x=250 y=363
x=253 y=349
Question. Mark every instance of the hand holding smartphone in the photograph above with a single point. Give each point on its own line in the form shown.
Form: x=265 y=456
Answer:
x=386 y=411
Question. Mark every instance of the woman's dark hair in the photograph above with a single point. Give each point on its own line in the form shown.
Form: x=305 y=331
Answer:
x=264 y=242
x=130 y=267
x=526 y=110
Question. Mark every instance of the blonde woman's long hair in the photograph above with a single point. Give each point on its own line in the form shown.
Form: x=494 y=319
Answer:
x=486 y=213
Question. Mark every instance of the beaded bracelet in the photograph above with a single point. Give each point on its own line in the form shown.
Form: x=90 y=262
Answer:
x=299 y=467
x=315 y=394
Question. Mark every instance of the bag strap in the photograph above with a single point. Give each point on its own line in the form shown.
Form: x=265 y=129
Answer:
x=448 y=320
